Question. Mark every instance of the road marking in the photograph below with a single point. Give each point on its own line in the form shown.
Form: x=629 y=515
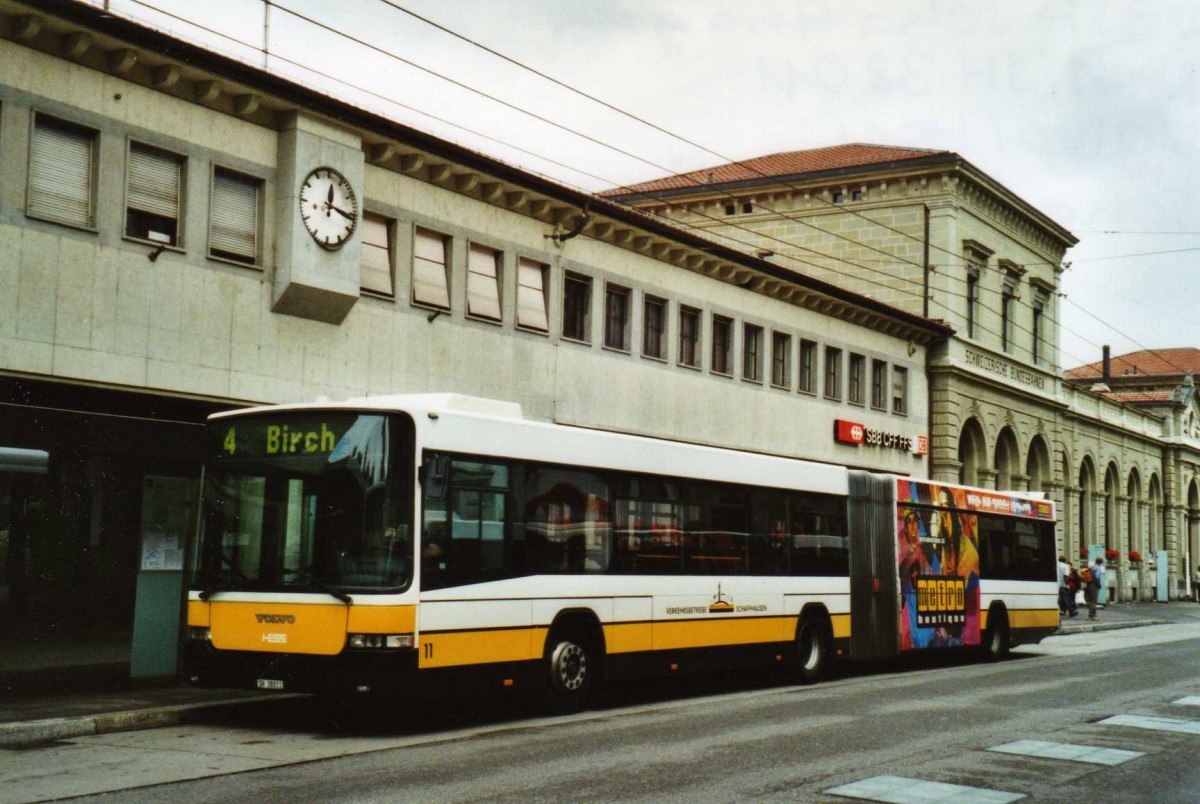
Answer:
x=1154 y=723
x=899 y=790
x=1075 y=753
x=1191 y=700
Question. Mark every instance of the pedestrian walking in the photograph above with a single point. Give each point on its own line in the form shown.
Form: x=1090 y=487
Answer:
x=1093 y=580
x=1196 y=584
x=1062 y=584
x=1072 y=589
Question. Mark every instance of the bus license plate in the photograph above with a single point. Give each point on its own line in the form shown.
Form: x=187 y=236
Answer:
x=270 y=684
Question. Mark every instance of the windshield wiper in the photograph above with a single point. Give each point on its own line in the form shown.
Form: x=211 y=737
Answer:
x=211 y=588
x=324 y=587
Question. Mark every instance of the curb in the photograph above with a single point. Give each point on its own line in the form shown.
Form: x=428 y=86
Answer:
x=33 y=732
x=1085 y=628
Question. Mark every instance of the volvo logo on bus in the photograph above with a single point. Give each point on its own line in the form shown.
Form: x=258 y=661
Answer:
x=289 y=619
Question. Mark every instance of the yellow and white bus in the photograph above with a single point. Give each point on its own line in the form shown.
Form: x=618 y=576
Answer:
x=388 y=544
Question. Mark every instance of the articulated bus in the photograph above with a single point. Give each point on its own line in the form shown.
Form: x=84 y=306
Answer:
x=392 y=544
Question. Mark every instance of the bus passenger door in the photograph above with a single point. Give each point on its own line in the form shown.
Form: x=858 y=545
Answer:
x=874 y=594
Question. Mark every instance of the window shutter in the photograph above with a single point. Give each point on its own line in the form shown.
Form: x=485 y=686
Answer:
x=234 y=217
x=531 y=295
x=483 y=289
x=376 y=255
x=154 y=181
x=430 y=285
x=61 y=173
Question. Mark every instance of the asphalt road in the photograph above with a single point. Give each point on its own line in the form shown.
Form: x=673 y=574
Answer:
x=712 y=739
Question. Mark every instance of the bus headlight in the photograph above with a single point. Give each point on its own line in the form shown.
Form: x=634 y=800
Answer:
x=378 y=641
x=199 y=633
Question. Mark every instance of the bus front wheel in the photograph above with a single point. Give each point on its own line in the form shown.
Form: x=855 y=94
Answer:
x=570 y=670
x=812 y=649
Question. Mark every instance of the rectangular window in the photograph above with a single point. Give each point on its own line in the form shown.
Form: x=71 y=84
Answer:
x=153 y=192
x=781 y=360
x=722 y=345
x=752 y=342
x=62 y=173
x=973 y=272
x=879 y=384
x=531 y=295
x=689 y=336
x=577 y=303
x=899 y=390
x=233 y=217
x=616 y=317
x=431 y=280
x=808 y=367
x=858 y=370
x=833 y=373
x=376 y=276
x=1006 y=304
x=1039 y=310
x=483 y=282
x=654 y=327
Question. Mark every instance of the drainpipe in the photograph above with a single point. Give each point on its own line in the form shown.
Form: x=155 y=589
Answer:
x=925 y=297
x=928 y=370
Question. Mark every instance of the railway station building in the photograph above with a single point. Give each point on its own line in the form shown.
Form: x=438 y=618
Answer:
x=169 y=248
x=928 y=232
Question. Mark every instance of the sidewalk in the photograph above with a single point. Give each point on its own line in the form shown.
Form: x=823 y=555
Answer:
x=32 y=719
x=58 y=716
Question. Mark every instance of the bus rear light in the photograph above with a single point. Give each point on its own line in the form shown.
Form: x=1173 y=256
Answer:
x=378 y=641
x=199 y=634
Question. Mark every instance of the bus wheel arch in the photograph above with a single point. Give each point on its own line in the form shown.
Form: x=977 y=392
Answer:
x=813 y=644
x=572 y=660
x=996 y=637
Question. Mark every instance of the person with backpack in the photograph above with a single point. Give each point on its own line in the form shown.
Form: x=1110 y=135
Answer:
x=1092 y=578
x=1072 y=580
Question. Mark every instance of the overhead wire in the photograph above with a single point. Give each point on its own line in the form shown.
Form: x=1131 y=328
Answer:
x=749 y=245
x=752 y=169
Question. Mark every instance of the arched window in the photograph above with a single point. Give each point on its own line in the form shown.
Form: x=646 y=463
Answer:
x=1087 y=487
x=1007 y=459
x=1112 y=486
x=972 y=453
x=1154 y=531
x=1134 y=524
x=1037 y=464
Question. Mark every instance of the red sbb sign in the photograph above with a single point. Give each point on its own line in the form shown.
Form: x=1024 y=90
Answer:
x=848 y=432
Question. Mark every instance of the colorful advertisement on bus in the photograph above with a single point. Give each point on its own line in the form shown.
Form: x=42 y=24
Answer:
x=938 y=552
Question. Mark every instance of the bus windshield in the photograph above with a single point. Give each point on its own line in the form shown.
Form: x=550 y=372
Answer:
x=307 y=501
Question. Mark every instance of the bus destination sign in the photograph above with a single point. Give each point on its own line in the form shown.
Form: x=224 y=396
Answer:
x=294 y=437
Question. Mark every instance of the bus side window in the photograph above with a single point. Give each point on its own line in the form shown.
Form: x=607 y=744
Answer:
x=478 y=518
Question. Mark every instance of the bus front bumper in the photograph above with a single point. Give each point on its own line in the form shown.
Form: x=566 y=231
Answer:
x=351 y=672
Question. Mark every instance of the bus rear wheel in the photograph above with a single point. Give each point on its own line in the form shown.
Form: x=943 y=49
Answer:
x=812 y=649
x=995 y=637
x=570 y=669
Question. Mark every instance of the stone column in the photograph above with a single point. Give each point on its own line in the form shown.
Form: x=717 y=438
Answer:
x=1020 y=483
x=1071 y=514
x=1054 y=490
x=986 y=477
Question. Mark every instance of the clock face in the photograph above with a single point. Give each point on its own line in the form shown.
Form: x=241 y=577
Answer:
x=328 y=207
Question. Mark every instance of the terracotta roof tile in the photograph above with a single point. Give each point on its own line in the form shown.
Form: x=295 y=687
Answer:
x=1146 y=363
x=1142 y=397
x=789 y=163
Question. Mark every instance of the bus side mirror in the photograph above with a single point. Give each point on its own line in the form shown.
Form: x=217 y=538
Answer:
x=436 y=471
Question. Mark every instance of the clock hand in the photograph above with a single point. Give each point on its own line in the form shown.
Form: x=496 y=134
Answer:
x=341 y=212
x=329 y=198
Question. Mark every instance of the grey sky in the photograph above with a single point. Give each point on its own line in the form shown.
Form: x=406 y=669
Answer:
x=1087 y=109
